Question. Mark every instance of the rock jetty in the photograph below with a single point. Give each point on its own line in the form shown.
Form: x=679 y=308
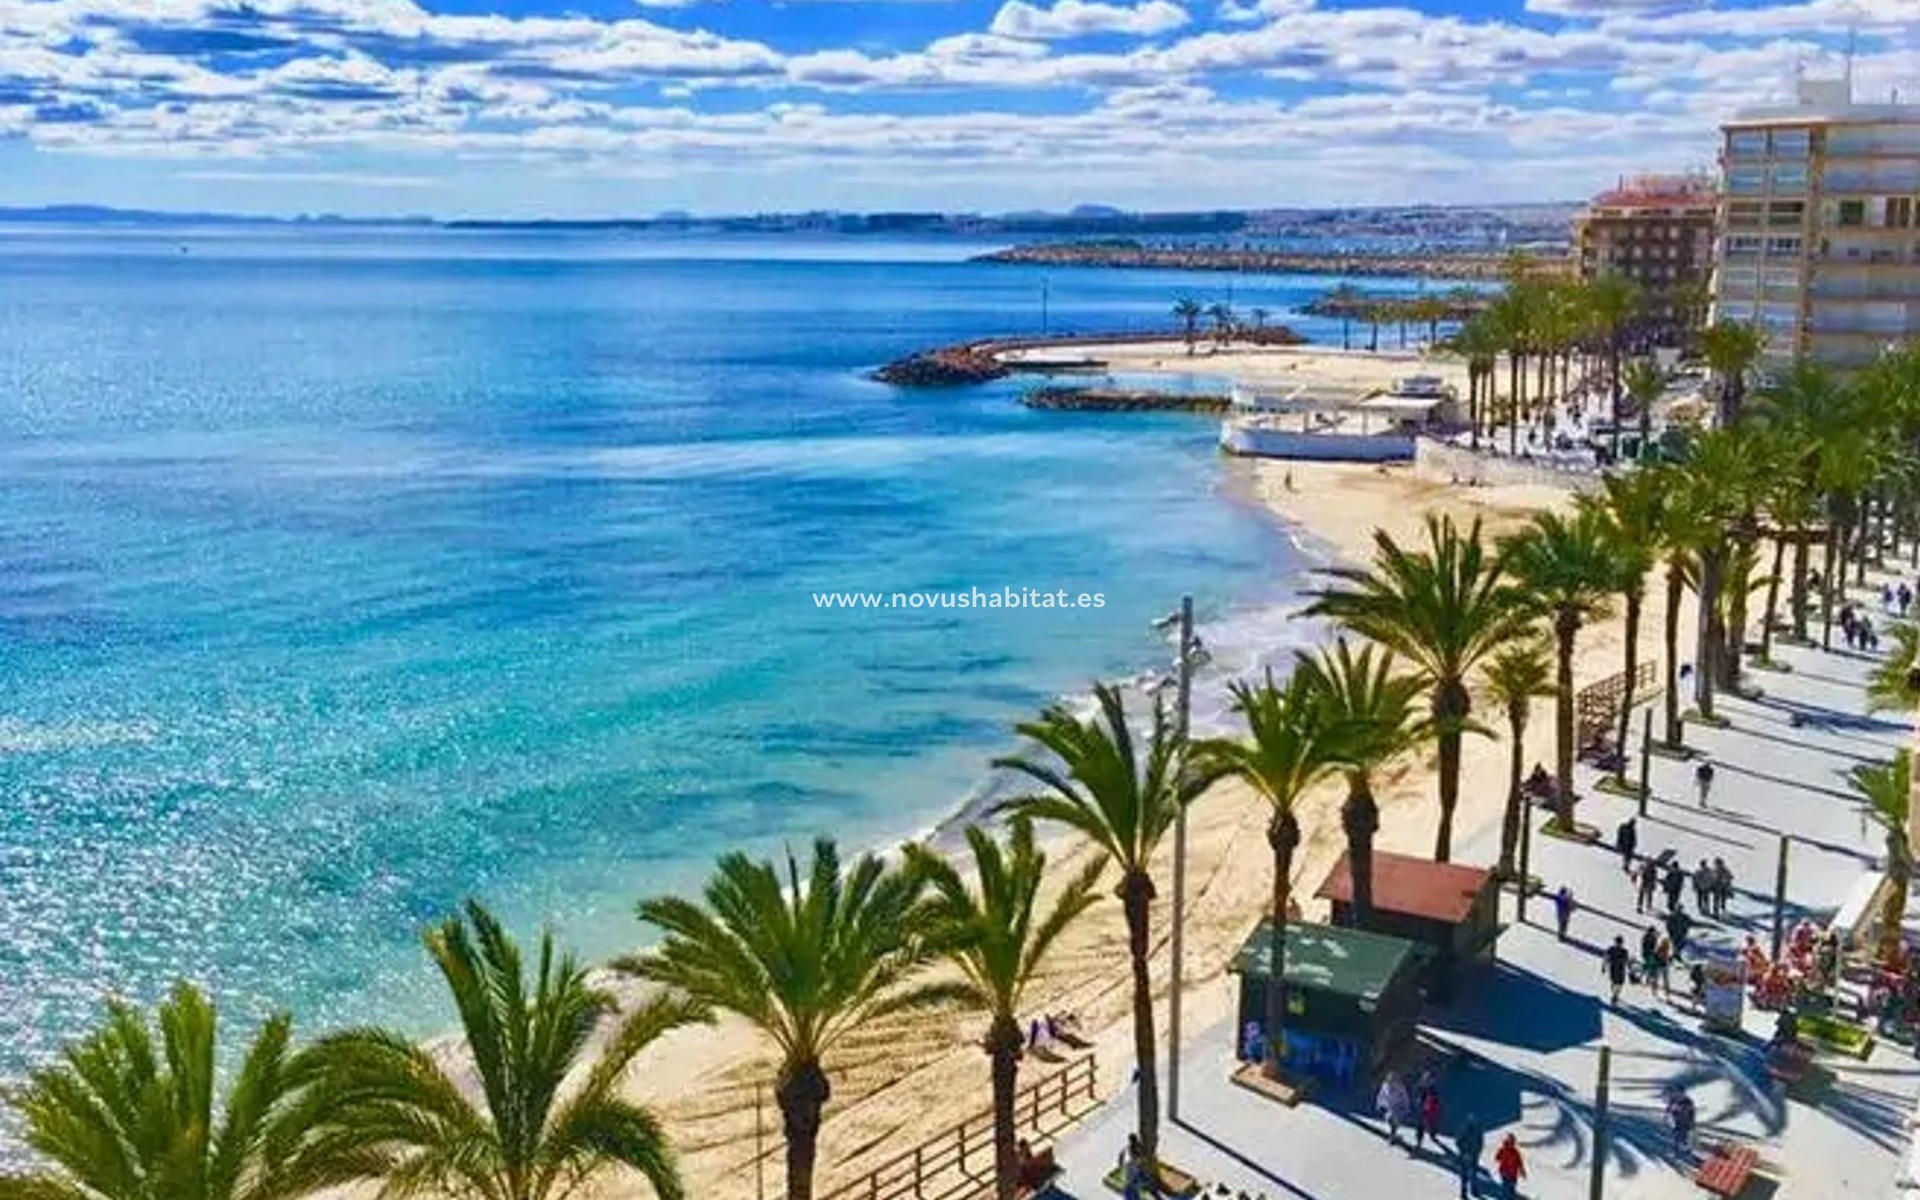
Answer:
x=979 y=362
x=1435 y=264
x=1087 y=399
x=951 y=366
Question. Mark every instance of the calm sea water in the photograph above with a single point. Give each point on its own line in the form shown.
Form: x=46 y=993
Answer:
x=344 y=575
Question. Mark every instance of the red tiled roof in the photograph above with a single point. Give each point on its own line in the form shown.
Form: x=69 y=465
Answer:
x=1403 y=884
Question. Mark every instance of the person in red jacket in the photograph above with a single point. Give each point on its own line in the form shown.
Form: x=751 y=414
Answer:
x=1512 y=1169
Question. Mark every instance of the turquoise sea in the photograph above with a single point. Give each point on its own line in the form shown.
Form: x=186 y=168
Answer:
x=345 y=574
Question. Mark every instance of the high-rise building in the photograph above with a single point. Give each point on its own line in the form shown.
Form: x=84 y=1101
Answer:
x=1818 y=241
x=1656 y=230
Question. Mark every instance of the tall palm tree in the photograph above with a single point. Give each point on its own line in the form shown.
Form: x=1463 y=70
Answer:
x=131 y=1112
x=1367 y=711
x=1188 y=312
x=1565 y=567
x=1634 y=508
x=1720 y=483
x=1894 y=686
x=996 y=937
x=1124 y=800
x=1731 y=348
x=1221 y=314
x=1644 y=383
x=1442 y=608
x=1519 y=674
x=547 y=1118
x=1612 y=301
x=1345 y=300
x=1286 y=753
x=806 y=961
x=1886 y=792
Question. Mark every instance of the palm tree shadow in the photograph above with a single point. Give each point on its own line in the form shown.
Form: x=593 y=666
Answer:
x=1517 y=1007
x=1244 y=1161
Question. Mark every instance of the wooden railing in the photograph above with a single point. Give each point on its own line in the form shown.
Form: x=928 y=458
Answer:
x=959 y=1162
x=1596 y=707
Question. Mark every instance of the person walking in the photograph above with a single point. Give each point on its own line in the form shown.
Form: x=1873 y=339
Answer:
x=1674 y=883
x=1722 y=887
x=1511 y=1167
x=1663 y=965
x=1703 y=781
x=1467 y=1145
x=1679 y=925
x=1563 y=909
x=1649 y=943
x=1626 y=840
x=1429 y=1126
x=1703 y=887
x=1617 y=959
x=1392 y=1102
x=1649 y=883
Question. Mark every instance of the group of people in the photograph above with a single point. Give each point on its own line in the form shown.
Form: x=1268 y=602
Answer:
x=1420 y=1109
x=1858 y=629
x=1895 y=601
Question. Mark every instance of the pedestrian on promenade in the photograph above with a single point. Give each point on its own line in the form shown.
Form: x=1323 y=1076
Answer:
x=1649 y=944
x=1626 y=840
x=1674 y=883
x=1511 y=1166
x=1563 y=909
x=1703 y=887
x=1680 y=1114
x=1429 y=1126
x=1467 y=1145
x=1649 y=882
x=1616 y=967
x=1393 y=1102
x=1722 y=887
x=1679 y=925
x=1663 y=965
x=1703 y=781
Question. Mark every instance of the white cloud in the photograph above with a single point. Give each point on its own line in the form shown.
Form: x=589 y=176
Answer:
x=1085 y=18
x=311 y=178
x=1241 y=12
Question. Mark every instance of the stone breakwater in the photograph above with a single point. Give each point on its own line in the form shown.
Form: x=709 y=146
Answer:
x=1071 y=399
x=1437 y=264
x=979 y=362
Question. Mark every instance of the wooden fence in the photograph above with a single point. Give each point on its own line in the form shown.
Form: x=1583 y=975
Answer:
x=958 y=1164
x=1596 y=707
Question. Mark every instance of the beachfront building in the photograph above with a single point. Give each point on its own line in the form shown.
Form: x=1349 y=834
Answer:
x=1819 y=238
x=1656 y=230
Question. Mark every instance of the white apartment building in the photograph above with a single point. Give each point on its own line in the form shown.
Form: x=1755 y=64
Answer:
x=1818 y=237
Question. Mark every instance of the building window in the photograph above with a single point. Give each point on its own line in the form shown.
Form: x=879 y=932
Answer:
x=1900 y=212
x=1783 y=245
x=1746 y=181
x=1786 y=212
x=1747 y=142
x=1792 y=143
x=1851 y=214
x=1789 y=176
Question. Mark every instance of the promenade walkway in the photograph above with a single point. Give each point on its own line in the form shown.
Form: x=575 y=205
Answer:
x=1520 y=1048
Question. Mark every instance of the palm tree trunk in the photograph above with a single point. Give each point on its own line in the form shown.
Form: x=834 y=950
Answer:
x=1283 y=837
x=802 y=1093
x=1516 y=803
x=1801 y=568
x=1346 y=332
x=1516 y=387
x=1860 y=545
x=1451 y=703
x=1670 y=621
x=1734 y=627
x=1003 y=1048
x=1566 y=625
x=1636 y=598
x=1900 y=880
x=1706 y=664
x=1360 y=818
x=1613 y=393
x=1827 y=585
x=1136 y=894
x=1773 y=597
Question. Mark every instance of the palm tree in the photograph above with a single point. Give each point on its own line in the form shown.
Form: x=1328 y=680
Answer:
x=807 y=962
x=1720 y=482
x=1513 y=679
x=1886 y=792
x=1731 y=348
x=1894 y=686
x=1187 y=311
x=1222 y=317
x=547 y=1118
x=1287 y=753
x=1443 y=609
x=1260 y=316
x=1645 y=383
x=1566 y=569
x=1345 y=300
x=1124 y=802
x=996 y=938
x=1634 y=508
x=1612 y=301
x=130 y=1112
x=1369 y=718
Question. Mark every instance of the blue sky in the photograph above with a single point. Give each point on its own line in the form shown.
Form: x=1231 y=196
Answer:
x=618 y=107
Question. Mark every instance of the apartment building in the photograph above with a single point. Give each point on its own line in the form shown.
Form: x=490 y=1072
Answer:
x=1656 y=230
x=1818 y=242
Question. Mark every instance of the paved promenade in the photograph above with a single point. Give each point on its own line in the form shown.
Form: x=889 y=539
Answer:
x=1520 y=1047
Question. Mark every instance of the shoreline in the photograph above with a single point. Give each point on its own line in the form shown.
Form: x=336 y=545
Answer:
x=912 y=1078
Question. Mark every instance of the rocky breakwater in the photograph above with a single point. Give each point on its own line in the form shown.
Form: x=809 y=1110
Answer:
x=951 y=366
x=1090 y=399
x=1434 y=264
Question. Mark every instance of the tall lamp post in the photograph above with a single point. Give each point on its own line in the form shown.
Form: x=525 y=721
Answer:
x=1183 y=706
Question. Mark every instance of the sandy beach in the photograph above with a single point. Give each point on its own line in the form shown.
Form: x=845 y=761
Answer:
x=919 y=1076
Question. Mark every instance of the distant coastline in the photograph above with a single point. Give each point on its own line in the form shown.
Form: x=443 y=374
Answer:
x=1427 y=264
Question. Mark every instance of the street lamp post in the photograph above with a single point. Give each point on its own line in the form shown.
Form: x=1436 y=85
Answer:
x=1182 y=716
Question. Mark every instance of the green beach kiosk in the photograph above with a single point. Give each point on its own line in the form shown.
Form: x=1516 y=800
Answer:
x=1352 y=997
